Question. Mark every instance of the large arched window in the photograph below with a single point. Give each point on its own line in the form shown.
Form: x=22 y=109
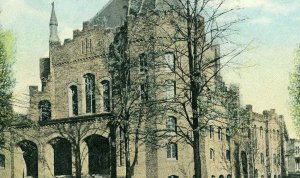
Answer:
x=73 y=100
x=90 y=93
x=45 y=110
x=171 y=124
x=221 y=176
x=229 y=176
x=106 y=95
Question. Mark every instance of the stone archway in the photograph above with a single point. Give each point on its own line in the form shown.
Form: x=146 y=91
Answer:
x=30 y=156
x=62 y=156
x=98 y=155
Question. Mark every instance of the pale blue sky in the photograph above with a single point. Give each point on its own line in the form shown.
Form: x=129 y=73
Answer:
x=273 y=27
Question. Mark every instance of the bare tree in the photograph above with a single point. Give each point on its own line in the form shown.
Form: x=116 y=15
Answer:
x=191 y=31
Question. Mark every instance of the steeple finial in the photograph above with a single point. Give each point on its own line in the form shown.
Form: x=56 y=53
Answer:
x=53 y=26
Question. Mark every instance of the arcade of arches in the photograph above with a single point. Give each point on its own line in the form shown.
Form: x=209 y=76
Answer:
x=97 y=156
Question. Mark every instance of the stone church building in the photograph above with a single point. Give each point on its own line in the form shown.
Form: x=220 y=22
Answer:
x=72 y=110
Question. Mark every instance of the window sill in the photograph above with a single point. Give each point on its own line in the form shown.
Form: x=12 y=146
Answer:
x=172 y=159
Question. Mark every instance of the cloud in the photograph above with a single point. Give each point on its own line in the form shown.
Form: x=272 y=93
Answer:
x=272 y=6
x=15 y=9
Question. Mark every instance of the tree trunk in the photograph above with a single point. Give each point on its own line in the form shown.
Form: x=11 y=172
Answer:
x=127 y=152
x=194 y=87
x=196 y=152
x=113 y=151
x=77 y=161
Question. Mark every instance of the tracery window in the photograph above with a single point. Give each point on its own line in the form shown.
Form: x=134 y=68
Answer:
x=90 y=93
x=45 y=110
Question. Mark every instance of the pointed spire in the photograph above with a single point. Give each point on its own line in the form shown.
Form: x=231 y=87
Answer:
x=53 y=26
x=53 y=19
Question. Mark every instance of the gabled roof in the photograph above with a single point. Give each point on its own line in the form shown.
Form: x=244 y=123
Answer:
x=113 y=14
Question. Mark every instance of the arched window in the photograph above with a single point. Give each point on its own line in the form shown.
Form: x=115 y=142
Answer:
x=143 y=63
x=169 y=61
x=2 y=161
x=228 y=134
x=221 y=176
x=211 y=131
x=254 y=131
x=261 y=131
x=172 y=152
x=90 y=93
x=212 y=154
x=171 y=124
x=106 y=95
x=274 y=134
x=170 y=89
x=45 y=110
x=213 y=176
x=220 y=133
x=262 y=158
x=173 y=176
x=73 y=97
x=144 y=92
x=255 y=173
x=229 y=176
x=278 y=134
x=228 y=155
